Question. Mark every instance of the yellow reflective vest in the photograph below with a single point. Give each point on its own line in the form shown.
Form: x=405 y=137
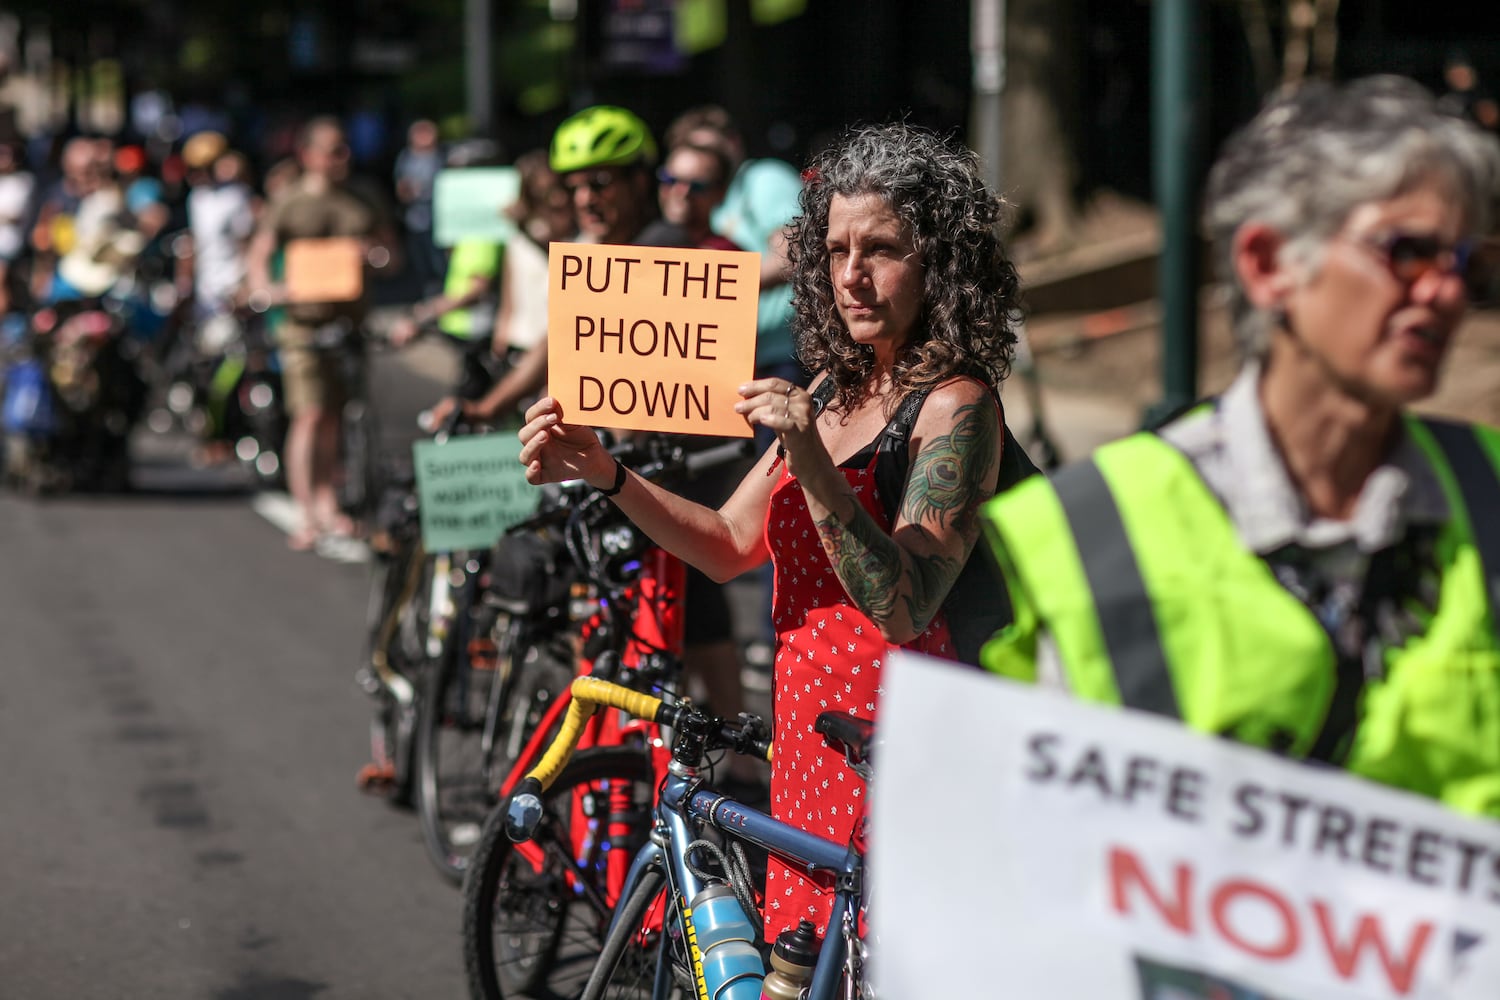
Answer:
x=1133 y=568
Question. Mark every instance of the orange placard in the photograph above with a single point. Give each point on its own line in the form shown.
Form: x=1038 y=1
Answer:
x=651 y=338
x=325 y=270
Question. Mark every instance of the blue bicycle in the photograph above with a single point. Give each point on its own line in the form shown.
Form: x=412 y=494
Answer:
x=687 y=924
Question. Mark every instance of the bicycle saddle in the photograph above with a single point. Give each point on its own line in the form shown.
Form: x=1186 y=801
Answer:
x=849 y=735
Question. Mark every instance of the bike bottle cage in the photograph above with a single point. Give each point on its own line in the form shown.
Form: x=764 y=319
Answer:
x=848 y=734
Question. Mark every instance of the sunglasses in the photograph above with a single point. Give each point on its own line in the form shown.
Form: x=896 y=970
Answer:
x=694 y=187
x=597 y=182
x=1411 y=256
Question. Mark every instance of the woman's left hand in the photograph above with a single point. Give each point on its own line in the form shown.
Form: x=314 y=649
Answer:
x=788 y=410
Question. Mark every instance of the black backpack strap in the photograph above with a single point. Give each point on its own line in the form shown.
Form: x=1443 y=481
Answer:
x=978 y=605
x=822 y=394
x=893 y=453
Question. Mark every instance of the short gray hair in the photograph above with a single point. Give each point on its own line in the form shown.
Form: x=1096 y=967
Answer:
x=1310 y=158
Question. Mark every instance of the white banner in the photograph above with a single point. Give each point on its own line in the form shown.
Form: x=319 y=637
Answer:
x=1029 y=846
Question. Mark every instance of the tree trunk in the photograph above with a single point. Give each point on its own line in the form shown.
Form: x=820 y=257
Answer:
x=1040 y=117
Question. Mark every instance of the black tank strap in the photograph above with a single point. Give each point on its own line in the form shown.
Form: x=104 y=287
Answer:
x=1479 y=486
x=1126 y=618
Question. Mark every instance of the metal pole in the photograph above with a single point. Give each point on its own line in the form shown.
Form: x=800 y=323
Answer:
x=1177 y=128
x=478 y=72
x=987 y=45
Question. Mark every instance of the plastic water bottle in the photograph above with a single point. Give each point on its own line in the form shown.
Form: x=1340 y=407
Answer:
x=792 y=963
x=723 y=940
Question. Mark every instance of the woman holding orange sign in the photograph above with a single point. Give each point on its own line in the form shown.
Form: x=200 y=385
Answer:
x=867 y=506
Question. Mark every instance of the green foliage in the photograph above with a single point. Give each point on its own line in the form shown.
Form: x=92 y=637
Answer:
x=533 y=61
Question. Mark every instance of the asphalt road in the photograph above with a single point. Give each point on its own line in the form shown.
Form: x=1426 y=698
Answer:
x=179 y=734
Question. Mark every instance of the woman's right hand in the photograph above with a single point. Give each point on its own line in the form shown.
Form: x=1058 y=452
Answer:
x=554 y=452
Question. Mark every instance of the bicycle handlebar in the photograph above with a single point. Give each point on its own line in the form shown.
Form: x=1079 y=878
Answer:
x=700 y=461
x=524 y=811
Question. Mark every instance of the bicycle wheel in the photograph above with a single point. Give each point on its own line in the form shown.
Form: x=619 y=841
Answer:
x=646 y=943
x=456 y=774
x=535 y=914
x=397 y=627
x=536 y=672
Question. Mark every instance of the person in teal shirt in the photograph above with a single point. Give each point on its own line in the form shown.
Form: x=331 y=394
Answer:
x=760 y=202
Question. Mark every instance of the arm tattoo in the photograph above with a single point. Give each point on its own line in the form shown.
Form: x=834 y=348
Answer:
x=865 y=558
x=951 y=476
x=948 y=483
x=868 y=563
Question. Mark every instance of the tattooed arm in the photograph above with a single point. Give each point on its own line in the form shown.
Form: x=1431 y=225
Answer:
x=900 y=580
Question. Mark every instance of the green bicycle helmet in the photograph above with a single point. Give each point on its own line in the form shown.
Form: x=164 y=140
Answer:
x=601 y=136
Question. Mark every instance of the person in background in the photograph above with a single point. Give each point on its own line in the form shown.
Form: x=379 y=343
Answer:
x=758 y=206
x=543 y=213
x=220 y=220
x=17 y=188
x=1302 y=564
x=759 y=203
x=690 y=187
x=464 y=312
x=417 y=167
x=905 y=294
x=602 y=158
x=1465 y=96
x=324 y=201
x=102 y=242
x=53 y=229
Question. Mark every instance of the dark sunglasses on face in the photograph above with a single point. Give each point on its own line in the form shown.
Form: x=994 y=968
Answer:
x=599 y=180
x=672 y=180
x=1410 y=256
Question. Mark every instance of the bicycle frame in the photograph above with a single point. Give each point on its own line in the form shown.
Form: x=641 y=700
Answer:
x=682 y=803
x=656 y=626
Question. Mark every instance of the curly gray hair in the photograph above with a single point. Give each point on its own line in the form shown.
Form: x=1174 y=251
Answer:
x=1309 y=159
x=970 y=294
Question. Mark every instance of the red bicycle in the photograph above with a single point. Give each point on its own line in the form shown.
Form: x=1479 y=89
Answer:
x=535 y=913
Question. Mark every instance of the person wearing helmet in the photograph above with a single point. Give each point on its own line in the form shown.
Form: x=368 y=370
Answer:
x=605 y=156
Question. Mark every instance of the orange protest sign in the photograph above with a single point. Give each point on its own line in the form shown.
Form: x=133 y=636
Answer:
x=325 y=270
x=651 y=338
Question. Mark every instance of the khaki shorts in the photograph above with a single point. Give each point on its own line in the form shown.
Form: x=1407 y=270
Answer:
x=311 y=380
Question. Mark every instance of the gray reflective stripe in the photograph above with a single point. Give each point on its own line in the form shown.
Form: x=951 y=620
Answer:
x=1479 y=485
x=1120 y=598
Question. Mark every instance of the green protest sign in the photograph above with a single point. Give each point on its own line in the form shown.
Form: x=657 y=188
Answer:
x=470 y=490
x=470 y=204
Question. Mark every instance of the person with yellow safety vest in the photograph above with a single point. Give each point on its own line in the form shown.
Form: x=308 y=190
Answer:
x=1302 y=564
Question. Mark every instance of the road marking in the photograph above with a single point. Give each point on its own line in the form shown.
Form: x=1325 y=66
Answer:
x=279 y=509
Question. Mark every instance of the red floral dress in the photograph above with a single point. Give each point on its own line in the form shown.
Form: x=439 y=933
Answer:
x=828 y=657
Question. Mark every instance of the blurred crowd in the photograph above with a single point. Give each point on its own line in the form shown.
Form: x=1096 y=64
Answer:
x=192 y=237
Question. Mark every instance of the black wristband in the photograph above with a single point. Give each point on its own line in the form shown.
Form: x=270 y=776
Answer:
x=619 y=480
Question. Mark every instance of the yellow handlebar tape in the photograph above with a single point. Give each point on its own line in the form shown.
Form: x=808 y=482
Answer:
x=589 y=695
